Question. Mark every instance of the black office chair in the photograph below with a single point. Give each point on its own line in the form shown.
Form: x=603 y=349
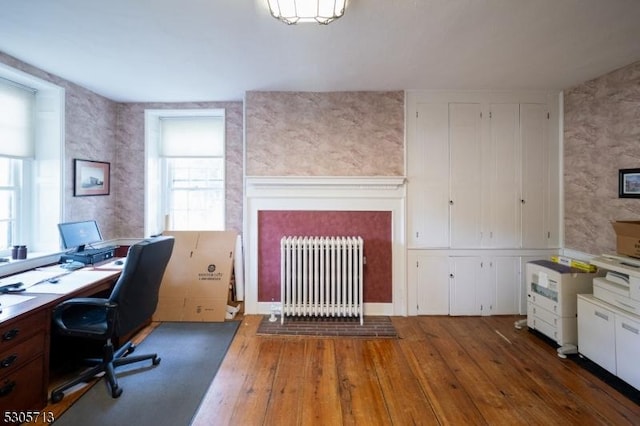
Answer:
x=132 y=302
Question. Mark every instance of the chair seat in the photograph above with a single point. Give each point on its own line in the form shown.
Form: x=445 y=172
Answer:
x=86 y=322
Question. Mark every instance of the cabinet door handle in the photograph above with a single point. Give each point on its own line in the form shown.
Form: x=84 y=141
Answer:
x=629 y=328
x=11 y=334
x=8 y=361
x=601 y=315
x=7 y=388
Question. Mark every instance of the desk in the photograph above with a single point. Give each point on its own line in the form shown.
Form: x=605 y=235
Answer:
x=25 y=334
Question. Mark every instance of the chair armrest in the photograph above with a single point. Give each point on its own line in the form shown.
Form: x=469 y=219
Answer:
x=99 y=303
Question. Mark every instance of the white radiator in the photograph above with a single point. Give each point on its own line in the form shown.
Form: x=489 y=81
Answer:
x=321 y=276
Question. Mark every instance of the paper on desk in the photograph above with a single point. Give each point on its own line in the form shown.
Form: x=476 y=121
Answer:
x=543 y=279
x=71 y=282
x=7 y=300
x=31 y=278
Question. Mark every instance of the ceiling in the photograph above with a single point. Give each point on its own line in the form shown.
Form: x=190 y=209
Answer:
x=216 y=50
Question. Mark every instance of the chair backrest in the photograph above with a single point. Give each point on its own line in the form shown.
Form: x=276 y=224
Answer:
x=136 y=291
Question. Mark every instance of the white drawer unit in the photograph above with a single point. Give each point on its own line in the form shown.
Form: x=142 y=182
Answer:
x=552 y=290
x=610 y=337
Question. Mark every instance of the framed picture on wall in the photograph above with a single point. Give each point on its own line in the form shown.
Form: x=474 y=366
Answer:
x=629 y=183
x=91 y=178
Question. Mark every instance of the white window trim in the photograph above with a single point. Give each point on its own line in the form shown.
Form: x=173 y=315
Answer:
x=48 y=170
x=155 y=205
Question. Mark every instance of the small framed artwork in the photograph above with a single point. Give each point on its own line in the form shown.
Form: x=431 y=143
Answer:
x=629 y=183
x=91 y=178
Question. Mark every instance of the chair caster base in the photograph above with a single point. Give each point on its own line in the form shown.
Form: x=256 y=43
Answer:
x=156 y=360
x=116 y=392
x=57 y=397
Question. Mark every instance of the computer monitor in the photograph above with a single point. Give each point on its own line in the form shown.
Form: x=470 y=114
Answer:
x=79 y=234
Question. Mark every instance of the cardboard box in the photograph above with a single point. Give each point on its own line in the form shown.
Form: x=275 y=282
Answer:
x=195 y=286
x=628 y=237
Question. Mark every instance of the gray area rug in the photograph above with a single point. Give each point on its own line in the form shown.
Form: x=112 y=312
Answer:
x=167 y=394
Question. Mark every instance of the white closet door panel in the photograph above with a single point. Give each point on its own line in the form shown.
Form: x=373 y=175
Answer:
x=533 y=134
x=466 y=174
x=466 y=278
x=507 y=285
x=504 y=182
x=428 y=165
x=432 y=283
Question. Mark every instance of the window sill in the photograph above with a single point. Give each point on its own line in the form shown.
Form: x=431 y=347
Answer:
x=33 y=260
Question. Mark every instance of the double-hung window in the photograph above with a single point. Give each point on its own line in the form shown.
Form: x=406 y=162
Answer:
x=31 y=162
x=190 y=166
x=16 y=154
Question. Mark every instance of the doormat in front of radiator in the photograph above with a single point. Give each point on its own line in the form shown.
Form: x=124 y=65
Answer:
x=373 y=327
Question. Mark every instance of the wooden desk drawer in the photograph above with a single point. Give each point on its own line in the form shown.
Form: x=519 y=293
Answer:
x=17 y=331
x=19 y=354
x=24 y=388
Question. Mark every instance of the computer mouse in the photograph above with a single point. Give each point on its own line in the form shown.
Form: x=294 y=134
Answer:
x=118 y=262
x=53 y=280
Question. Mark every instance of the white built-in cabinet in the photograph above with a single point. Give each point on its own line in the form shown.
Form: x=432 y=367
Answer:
x=482 y=195
x=610 y=337
x=467 y=283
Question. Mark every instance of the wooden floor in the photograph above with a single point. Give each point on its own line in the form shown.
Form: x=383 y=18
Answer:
x=442 y=370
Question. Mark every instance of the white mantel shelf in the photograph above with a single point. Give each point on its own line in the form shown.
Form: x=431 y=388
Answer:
x=347 y=186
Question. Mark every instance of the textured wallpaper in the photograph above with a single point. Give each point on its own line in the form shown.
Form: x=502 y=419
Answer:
x=601 y=136
x=99 y=129
x=90 y=122
x=129 y=173
x=324 y=134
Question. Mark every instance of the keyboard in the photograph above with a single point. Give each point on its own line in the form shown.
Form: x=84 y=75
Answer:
x=91 y=252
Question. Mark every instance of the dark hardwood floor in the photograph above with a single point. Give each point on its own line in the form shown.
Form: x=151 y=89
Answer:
x=442 y=370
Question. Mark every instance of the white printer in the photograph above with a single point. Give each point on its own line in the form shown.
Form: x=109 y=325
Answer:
x=621 y=284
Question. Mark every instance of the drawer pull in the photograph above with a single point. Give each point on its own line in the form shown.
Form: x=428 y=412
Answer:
x=8 y=361
x=10 y=335
x=601 y=315
x=629 y=328
x=7 y=388
x=626 y=305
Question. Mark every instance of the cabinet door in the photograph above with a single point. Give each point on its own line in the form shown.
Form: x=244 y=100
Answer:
x=430 y=275
x=503 y=289
x=465 y=275
x=503 y=174
x=596 y=334
x=628 y=350
x=465 y=174
x=428 y=178
x=535 y=175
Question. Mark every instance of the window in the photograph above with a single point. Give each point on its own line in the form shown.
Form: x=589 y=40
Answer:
x=185 y=153
x=10 y=180
x=31 y=146
x=17 y=149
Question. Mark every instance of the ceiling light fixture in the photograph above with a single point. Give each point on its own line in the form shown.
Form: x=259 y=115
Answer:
x=294 y=11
